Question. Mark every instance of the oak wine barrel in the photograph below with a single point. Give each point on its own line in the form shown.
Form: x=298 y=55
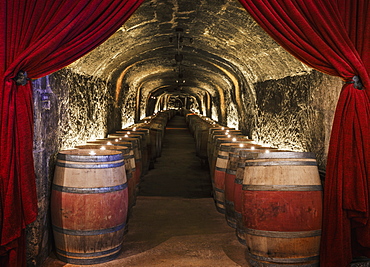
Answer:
x=240 y=157
x=219 y=173
x=135 y=145
x=282 y=209
x=89 y=204
x=129 y=159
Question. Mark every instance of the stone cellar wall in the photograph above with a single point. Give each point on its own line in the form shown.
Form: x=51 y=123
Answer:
x=296 y=113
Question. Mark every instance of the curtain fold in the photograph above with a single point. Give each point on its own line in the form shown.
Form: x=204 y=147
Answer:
x=38 y=37
x=334 y=38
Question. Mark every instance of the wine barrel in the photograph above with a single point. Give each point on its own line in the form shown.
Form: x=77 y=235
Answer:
x=218 y=178
x=157 y=130
x=130 y=144
x=212 y=145
x=201 y=139
x=146 y=132
x=239 y=156
x=282 y=209
x=135 y=145
x=220 y=128
x=128 y=156
x=210 y=136
x=143 y=145
x=89 y=203
x=222 y=140
x=230 y=176
x=154 y=139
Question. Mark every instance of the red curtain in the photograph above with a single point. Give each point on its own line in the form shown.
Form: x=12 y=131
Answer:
x=334 y=37
x=38 y=37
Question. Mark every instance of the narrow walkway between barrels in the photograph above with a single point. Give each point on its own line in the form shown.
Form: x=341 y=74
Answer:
x=174 y=221
x=178 y=172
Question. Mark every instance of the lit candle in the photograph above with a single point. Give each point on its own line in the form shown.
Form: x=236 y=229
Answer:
x=109 y=143
x=234 y=139
x=267 y=151
x=228 y=136
x=102 y=148
x=252 y=147
x=222 y=128
x=92 y=153
x=116 y=140
x=126 y=135
x=128 y=132
x=241 y=145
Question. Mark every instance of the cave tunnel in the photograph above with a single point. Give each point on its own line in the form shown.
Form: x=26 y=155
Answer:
x=206 y=56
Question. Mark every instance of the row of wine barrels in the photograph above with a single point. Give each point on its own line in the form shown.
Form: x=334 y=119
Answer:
x=220 y=168
x=272 y=197
x=144 y=135
x=199 y=127
x=157 y=125
x=94 y=190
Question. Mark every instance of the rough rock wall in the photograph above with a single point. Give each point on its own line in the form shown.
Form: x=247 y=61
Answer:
x=78 y=108
x=128 y=108
x=296 y=112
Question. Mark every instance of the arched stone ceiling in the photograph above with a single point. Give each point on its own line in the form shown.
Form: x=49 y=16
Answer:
x=221 y=46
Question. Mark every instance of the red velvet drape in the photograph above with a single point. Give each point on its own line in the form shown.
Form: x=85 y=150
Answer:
x=334 y=37
x=39 y=37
